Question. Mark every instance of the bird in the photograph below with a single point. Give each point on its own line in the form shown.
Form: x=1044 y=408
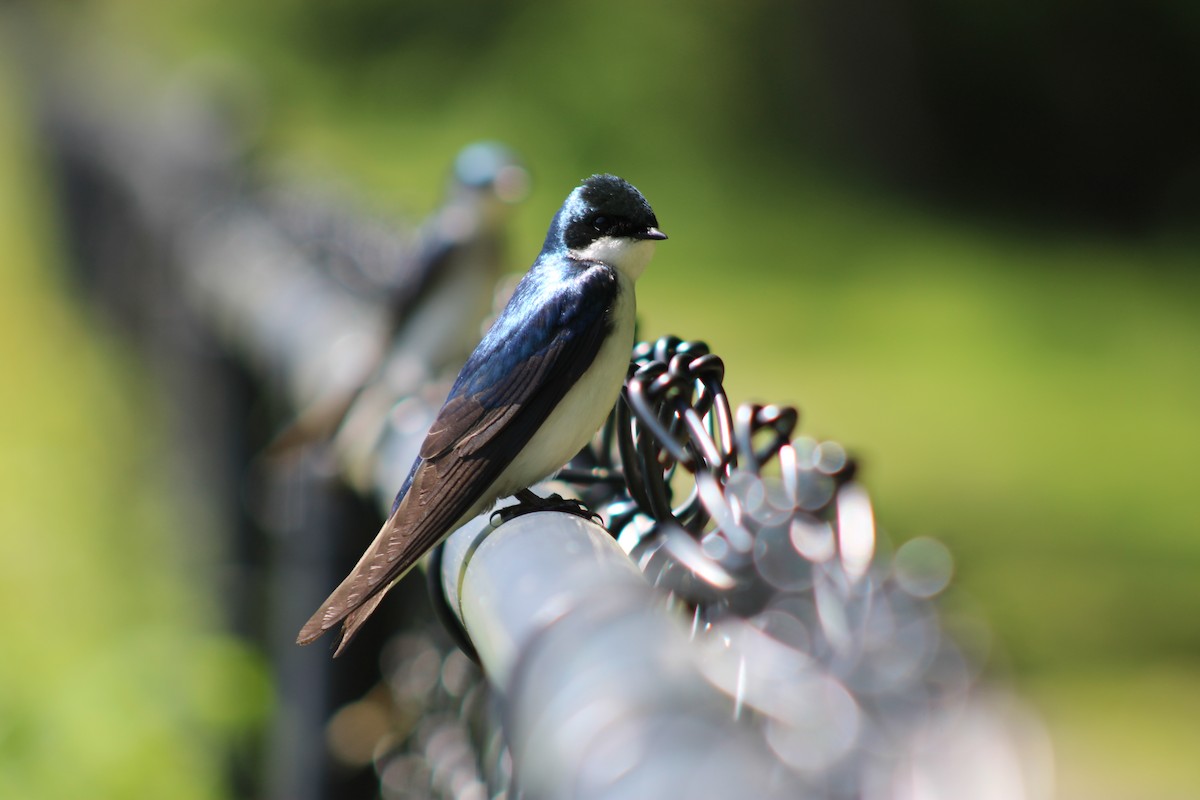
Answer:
x=533 y=392
x=436 y=314
x=436 y=298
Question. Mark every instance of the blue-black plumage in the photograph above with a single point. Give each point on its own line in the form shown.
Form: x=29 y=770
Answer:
x=531 y=395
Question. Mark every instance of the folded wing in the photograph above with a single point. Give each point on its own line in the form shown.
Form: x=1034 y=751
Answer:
x=535 y=352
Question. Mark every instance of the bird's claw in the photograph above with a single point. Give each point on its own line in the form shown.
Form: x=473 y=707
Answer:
x=529 y=503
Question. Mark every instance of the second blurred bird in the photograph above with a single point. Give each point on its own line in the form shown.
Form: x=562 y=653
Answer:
x=437 y=298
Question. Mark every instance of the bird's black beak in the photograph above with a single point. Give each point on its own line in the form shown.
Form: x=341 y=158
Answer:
x=652 y=233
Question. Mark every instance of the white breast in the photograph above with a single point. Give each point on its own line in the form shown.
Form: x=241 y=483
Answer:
x=583 y=410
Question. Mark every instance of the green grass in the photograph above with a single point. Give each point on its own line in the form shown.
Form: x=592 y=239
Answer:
x=1121 y=734
x=112 y=681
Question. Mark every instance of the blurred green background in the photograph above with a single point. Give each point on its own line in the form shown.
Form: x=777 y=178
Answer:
x=961 y=237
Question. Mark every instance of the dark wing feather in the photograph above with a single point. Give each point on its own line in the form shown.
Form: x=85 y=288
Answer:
x=538 y=348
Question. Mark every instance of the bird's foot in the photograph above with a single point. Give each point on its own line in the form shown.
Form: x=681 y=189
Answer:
x=530 y=502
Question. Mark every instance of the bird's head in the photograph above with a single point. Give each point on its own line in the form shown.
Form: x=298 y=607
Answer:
x=492 y=168
x=606 y=219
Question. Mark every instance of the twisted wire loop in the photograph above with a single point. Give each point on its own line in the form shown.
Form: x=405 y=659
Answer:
x=828 y=647
x=674 y=413
x=764 y=537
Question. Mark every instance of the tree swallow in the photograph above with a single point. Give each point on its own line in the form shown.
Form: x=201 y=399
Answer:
x=531 y=395
x=437 y=296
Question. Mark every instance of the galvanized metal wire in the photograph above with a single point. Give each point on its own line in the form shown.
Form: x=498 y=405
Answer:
x=827 y=642
x=768 y=540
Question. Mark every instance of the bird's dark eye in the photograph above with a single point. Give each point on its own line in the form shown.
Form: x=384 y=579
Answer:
x=600 y=223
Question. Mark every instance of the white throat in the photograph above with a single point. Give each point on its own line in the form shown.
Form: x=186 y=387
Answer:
x=628 y=256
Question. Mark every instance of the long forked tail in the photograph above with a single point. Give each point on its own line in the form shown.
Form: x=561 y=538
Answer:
x=327 y=617
x=352 y=601
x=420 y=519
x=318 y=626
x=355 y=619
x=360 y=592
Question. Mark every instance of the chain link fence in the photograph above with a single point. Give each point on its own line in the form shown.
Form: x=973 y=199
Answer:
x=735 y=627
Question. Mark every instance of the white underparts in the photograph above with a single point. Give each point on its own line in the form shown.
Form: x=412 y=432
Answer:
x=578 y=416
